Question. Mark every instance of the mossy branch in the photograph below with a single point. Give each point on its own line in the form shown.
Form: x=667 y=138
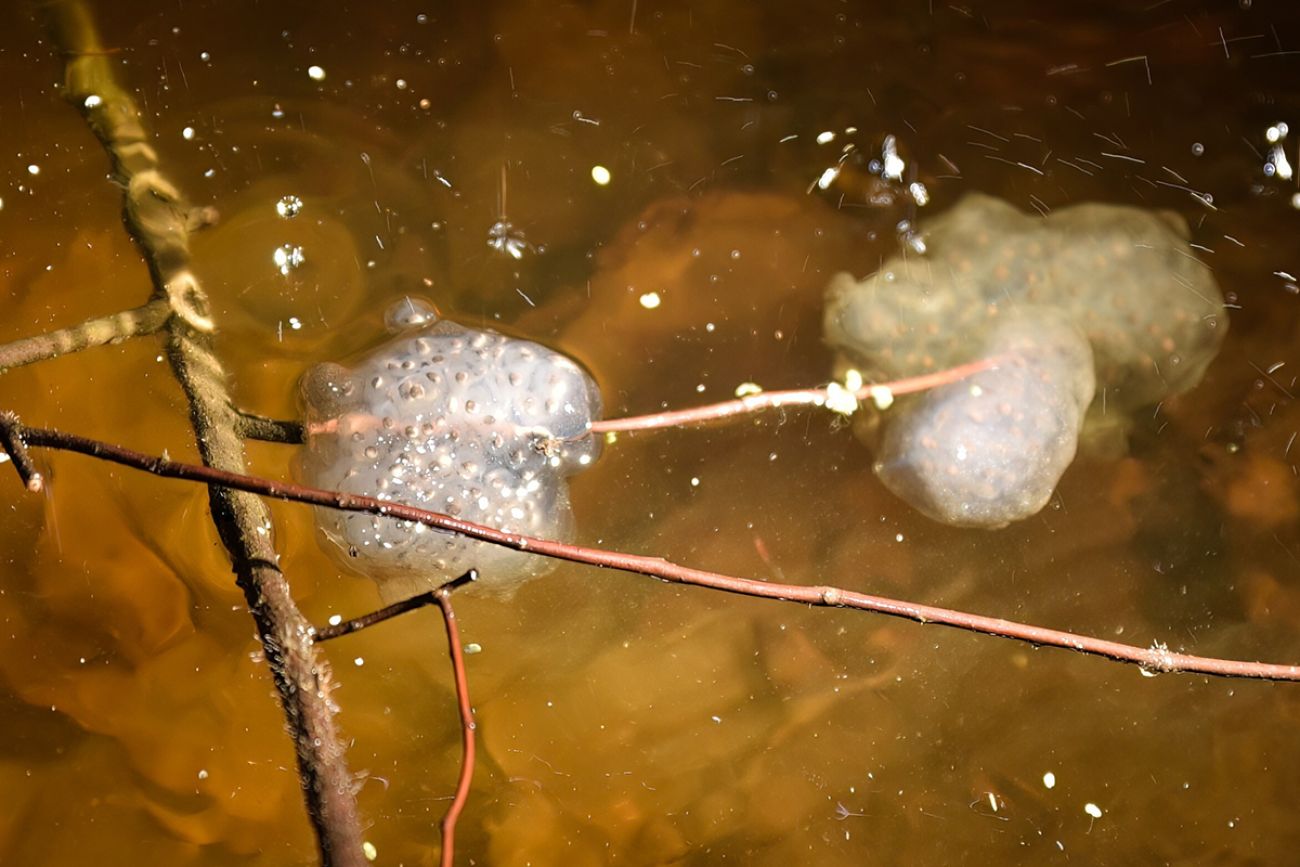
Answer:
x=160 y=220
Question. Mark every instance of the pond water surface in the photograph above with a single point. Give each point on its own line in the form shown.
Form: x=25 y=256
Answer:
x=447 y=150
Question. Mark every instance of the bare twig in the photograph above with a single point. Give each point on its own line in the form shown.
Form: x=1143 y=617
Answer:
x=270 y=430
x=11 y=440
x=160 y=220
x=797 y=397
x=442 y=598
x=467 y=726
x=388 y=612
x=99 y=331
x=1156 y=658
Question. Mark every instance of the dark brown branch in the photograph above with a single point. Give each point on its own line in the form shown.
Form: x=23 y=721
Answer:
x=388 y=612
x=11 y=440
x=1156 y=658
x=160 y=220
x=99 y=331
x=270 y=430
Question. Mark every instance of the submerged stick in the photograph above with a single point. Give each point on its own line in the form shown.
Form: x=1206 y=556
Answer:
x=160 y=220
x=100 y=331
x=1156 y=658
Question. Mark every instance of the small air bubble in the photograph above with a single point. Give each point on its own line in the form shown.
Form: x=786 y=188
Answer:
x=289 y=206
x=288 y=258
x=1198 y=149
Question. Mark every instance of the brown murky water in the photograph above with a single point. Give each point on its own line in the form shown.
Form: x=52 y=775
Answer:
x=622 y=720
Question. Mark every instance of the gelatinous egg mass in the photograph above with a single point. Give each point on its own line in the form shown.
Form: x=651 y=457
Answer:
x=1094 y=305
x=467 y=422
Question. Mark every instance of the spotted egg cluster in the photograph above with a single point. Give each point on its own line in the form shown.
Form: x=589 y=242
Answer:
x=467 y=422
x=1092 y=303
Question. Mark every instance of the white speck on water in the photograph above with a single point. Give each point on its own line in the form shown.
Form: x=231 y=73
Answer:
x=188 y=133
x=894 y=166
x=287 y=258
x=33 y=169
x=316 y=73
x=335 y=619
x=289 y=206
x=825 y=137
x=601 y=175
x=828 y=177
x=473 y=648
x=1092 y=810
x=650 y=300
x=93 y=101
x=505 y=238
x=1049 y=780
x=359 y=661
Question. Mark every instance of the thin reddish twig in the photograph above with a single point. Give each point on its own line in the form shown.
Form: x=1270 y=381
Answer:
x=1156 y=658
x=467 y=727
x=442 y=598
x=794 y=397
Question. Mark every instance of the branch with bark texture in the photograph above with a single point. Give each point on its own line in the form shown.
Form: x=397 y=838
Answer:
x=160 y=220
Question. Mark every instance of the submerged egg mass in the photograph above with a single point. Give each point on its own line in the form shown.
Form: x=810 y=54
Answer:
x=467 y=422
x=1100 y=309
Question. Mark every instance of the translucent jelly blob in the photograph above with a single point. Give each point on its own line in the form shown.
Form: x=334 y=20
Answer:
x=1092 y=299
x=467 y=422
